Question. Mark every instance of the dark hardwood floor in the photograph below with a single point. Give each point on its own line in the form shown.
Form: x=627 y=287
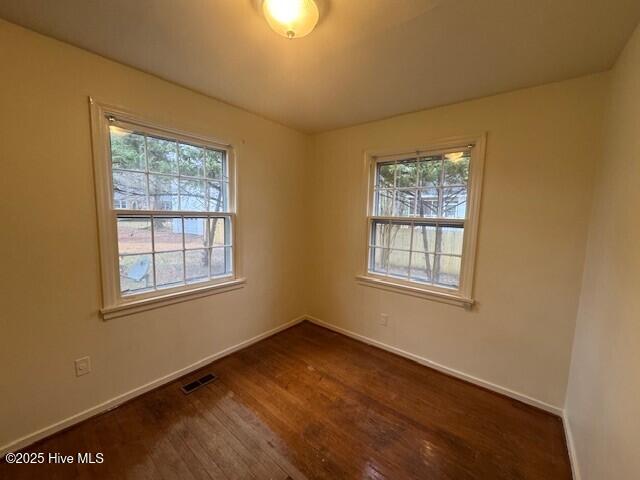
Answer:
x=310 y=403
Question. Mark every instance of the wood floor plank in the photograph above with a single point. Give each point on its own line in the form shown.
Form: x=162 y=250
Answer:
x=213 y=441
x=250 y=431
x=378 y=429
x=156 y=442
x=252 y=461
x=250 y=441
x=507 y=432
x=188 y=434
x=333 y=440
x=308 y=403
x=299 y=430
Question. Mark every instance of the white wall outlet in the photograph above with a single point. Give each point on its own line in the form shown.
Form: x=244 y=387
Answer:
x=83 y=366
x=384 y=319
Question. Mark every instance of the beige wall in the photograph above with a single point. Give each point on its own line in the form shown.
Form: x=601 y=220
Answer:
x=541 y=151
x=603 y=399
x=50 y=283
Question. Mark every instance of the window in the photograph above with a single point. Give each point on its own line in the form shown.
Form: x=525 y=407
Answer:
x=422 y=221
x=166 y=210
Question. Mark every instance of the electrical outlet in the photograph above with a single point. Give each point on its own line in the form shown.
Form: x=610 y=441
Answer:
x=384 y=319
x=83 y=366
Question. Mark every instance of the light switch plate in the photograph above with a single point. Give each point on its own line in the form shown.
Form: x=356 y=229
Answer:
x=83 y=366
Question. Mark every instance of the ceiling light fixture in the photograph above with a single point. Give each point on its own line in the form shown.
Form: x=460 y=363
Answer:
x=291 y=18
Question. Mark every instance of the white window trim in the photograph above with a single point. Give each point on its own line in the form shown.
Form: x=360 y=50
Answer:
x=113 y=303
x=463 y=296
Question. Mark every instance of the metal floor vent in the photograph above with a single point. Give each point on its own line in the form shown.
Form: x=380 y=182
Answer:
x=196 y=384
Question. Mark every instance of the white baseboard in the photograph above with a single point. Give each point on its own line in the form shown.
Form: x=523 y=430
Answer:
x=120 y=399
x=449 y=371
x=573 y=456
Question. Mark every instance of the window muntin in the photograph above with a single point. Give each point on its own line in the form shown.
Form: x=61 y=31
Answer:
x=171 y=206
x=418 y=218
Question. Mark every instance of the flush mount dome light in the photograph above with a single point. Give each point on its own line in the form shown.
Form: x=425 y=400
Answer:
x=291 y=18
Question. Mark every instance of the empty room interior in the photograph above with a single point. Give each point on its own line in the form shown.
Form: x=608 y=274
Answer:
x=320 y=239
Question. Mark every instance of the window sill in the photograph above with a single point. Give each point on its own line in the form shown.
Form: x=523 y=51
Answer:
x=137 y=306
x=390 y=286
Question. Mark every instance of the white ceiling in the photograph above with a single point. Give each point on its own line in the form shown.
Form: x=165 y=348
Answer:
x=367 y=59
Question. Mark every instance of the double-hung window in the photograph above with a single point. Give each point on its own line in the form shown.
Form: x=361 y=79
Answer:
x=422 y=219
x=166 y=205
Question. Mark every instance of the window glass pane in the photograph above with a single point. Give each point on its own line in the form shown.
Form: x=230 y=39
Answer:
x=162 y=155
x=424 y=238
x=196 y=233
x=429 y=170
x=405 y=203
x=220 y=232
x=400 y=236
x=451 y=238
x=228 y=252
x=427 y=203
x=398 y=263
x=163 y=192
x=134 y=235
x=454 y=202
x=407 y=174
x=169 y=269
x=167 y=234
x=218 y=261
x=191 y=161
x=127 y=149
x=129 y=190
x=217 y=200
x=448 y=271
x=214 y=161
x=422 y=267
x=192 y=195
x=380 y=234
x=197 y=263
x=456 y=168
x=136 y=273
x=385 y=176
x=379 y=260
x=384 y=203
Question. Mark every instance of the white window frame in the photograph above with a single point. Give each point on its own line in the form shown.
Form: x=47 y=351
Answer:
x=463 y=295
x=114 y=304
